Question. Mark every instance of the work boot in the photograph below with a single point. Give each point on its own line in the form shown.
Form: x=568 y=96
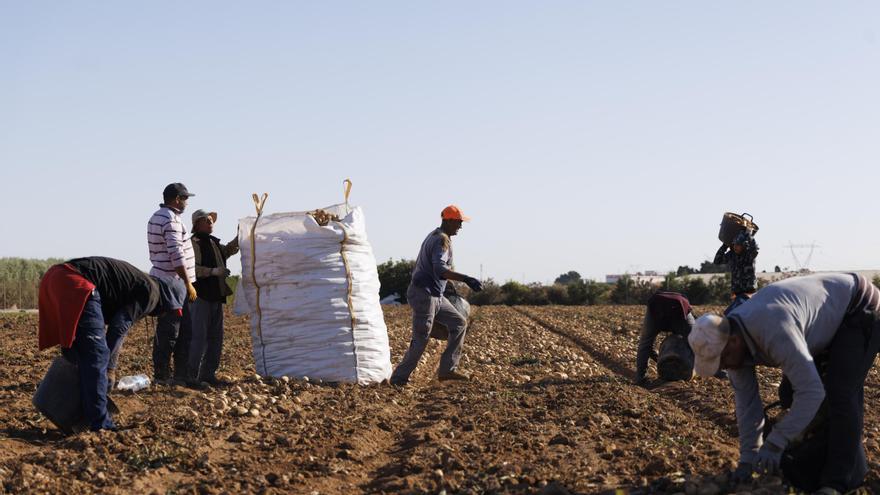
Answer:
x=162 y=376
x=454 y=375
x=180 y=380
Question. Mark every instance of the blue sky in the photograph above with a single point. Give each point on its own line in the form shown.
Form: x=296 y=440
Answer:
x=597 y=136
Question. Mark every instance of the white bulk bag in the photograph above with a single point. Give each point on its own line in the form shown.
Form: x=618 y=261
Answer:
x=318 y=313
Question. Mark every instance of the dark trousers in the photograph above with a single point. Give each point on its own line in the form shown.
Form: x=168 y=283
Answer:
x=206 y=345
x=172 y=339
x=851 y=355
x=91 y=354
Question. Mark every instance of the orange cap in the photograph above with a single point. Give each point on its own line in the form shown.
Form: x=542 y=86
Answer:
x=453 y=212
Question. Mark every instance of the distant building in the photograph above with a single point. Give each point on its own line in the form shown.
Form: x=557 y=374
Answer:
x=649 y=276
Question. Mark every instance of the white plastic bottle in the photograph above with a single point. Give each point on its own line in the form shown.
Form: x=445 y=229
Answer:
x=133 y=383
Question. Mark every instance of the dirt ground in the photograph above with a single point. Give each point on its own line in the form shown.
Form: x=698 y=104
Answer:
x=551 y=410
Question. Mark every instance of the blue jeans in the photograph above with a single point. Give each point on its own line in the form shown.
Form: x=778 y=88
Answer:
x=738 y=300
x=91 y=355
x=119 y=325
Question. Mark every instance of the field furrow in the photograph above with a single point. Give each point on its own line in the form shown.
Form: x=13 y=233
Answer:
x=551 y=408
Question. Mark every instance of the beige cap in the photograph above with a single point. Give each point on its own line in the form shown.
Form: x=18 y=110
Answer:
x=708 y=339
x=199 y=214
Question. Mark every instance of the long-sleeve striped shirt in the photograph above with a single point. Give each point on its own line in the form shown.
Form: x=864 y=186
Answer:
x=169 y=245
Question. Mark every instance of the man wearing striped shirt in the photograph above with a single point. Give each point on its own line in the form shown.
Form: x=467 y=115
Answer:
x=171 y=254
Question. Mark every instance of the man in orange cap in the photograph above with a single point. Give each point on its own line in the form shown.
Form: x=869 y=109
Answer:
x=425 y=296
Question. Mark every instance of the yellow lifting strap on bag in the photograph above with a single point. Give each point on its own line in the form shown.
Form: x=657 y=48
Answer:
x=347 y=189
x=259 y=203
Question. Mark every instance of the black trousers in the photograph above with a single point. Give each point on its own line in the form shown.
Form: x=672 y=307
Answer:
x=851 y=356
x=173 y=335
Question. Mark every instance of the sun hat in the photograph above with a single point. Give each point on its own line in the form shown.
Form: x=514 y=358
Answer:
x=708 y=339
x=199 y=214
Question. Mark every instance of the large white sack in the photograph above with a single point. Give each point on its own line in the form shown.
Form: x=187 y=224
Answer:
x=319 y=313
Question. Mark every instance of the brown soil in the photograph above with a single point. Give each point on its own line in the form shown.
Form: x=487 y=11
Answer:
x=551 y=409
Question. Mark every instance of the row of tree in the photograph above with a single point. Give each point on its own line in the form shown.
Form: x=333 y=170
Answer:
x=577 y=291
x=571 y=289
x=20 y=281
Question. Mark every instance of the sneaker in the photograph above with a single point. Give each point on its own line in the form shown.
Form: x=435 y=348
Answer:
x=215 y=382
x=454 y=375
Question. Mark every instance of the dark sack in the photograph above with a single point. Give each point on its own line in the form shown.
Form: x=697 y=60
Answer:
x=676 y=359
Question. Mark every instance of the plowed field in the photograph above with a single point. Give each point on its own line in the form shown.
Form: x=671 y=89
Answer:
x=551 y=409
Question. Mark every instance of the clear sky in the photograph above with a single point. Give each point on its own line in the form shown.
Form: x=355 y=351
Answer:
x=601 y=137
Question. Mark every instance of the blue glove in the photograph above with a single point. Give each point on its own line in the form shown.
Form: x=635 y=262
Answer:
x=742 y=473
x=769 y=457
x=474 y=284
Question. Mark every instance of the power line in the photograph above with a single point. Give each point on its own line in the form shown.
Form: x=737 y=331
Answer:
x=797 y=261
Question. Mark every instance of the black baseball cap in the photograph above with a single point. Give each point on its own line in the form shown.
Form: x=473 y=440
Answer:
x=176 y=189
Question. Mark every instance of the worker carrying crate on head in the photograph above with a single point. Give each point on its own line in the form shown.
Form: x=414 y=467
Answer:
x=738 y=251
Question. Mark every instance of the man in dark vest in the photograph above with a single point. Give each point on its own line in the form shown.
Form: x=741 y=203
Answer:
x=206 y=345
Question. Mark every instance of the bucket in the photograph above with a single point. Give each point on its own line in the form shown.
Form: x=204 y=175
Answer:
x=732 y=224
x=439 y=330
x=676 y=359
x=58 y=398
